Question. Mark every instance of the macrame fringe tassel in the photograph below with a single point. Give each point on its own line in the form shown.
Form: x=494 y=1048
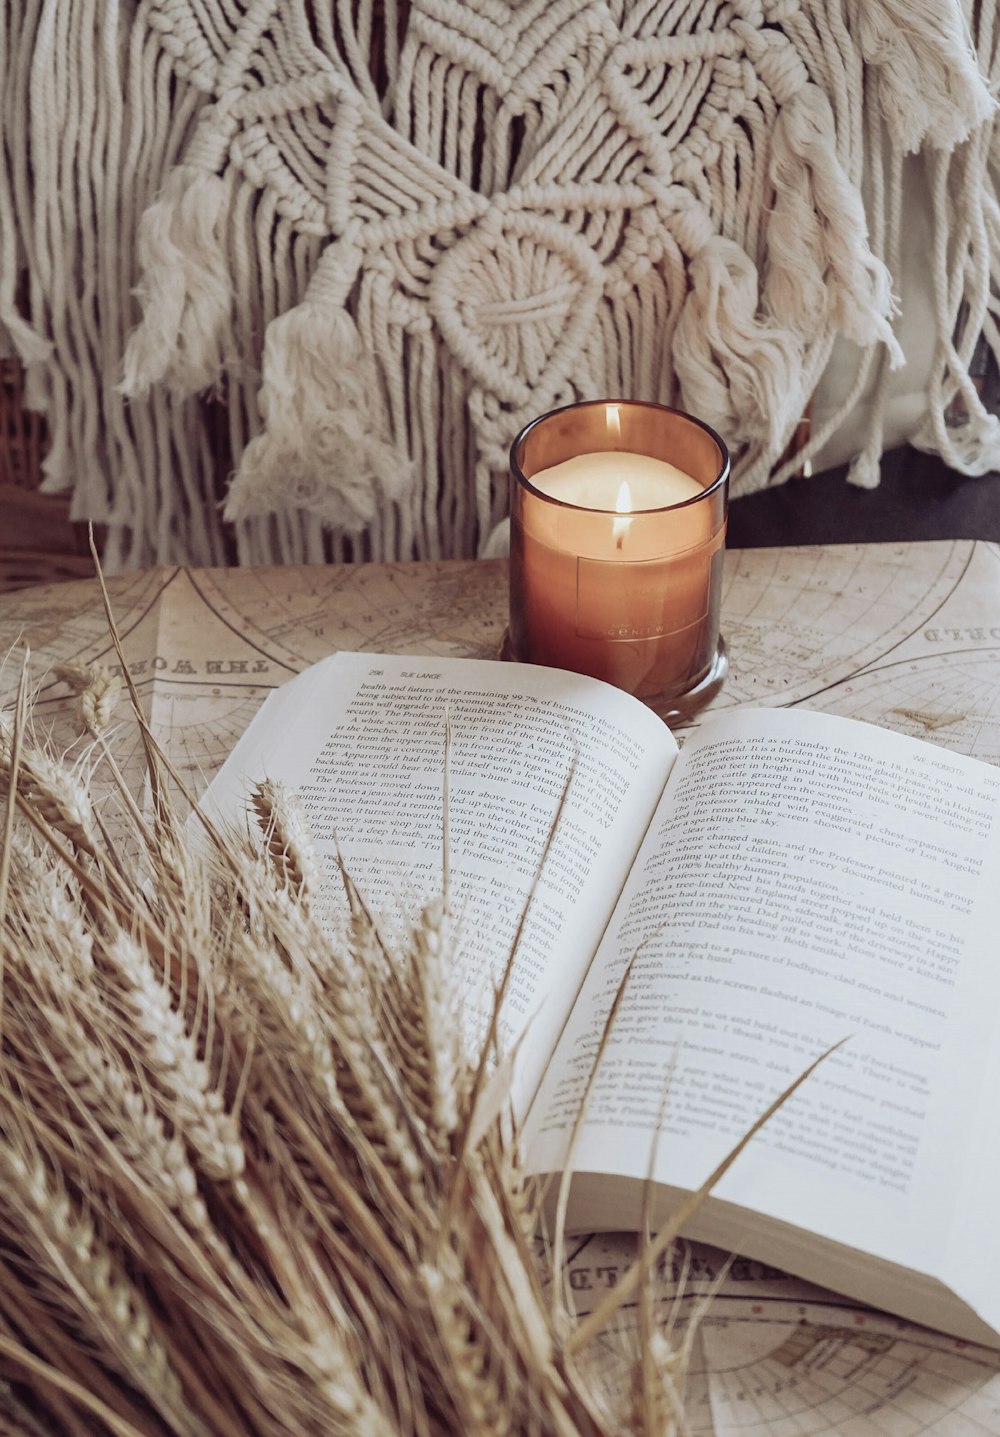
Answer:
x=865 y=470
x=930 y=85
x=731 y=364
x=971 y=447
x=821 y=268
x=25 y=344
x=324 y=448
x=185 y=290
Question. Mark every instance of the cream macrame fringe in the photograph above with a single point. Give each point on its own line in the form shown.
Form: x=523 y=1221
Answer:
x=378 y=280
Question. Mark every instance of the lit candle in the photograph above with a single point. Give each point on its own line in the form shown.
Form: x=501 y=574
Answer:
x=637 y=481
x=616 y=553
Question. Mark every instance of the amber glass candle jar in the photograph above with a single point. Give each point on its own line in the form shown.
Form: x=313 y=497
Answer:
x=618 y=521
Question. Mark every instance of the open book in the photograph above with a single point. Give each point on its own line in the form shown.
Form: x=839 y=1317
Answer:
x=789 y=879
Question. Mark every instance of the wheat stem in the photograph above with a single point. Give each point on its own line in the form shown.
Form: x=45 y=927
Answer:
x=13 y=773
x=38 y=1330
x=625 y=1288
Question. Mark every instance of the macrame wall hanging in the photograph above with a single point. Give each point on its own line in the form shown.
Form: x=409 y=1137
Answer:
x=374 y=242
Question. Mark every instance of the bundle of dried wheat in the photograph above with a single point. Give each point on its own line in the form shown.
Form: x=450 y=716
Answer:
x=249 y=1180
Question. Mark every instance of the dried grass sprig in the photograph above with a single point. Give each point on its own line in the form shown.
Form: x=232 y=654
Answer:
x=98 y=690
x=287 y=839
x=86 y=1280
x=182 y=1080
x=57 y=794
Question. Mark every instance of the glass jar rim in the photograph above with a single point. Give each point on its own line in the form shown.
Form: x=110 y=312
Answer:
x=707 y=492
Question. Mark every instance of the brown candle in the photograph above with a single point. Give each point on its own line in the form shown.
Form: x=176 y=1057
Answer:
x=617 y=526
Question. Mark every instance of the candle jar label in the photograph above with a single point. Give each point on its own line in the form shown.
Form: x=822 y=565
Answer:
x=645 y=600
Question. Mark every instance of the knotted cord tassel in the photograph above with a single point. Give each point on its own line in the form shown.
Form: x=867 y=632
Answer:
x=324 y=447
x=930 y=86
x=971 y=447
x=743 y=371
x=822 y=270
x=185 y=291
x=29 y=346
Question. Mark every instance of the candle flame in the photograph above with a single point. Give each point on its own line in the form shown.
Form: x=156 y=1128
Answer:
x=623 y=505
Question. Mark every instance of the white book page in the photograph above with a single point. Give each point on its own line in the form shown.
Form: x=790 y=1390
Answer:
x=361 y=739
x=807 y=879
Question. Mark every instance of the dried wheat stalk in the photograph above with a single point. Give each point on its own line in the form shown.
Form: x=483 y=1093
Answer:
x=244 y=1185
